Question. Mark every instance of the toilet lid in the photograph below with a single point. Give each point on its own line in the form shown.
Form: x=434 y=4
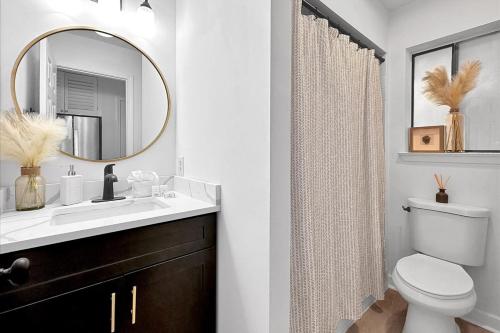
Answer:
x=434 y=276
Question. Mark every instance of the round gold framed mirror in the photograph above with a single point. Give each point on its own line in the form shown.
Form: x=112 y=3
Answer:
x=111 y=95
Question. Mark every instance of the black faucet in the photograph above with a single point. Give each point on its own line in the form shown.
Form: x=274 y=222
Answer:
x=108 y=193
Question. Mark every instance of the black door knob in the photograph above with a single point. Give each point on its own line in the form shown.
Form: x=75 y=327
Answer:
x=18 y=272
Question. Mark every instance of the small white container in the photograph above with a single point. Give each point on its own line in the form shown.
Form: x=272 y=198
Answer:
x=142 y=189
x=4 y=199
x=71 y=188
x=142 y=183
x=155 y=191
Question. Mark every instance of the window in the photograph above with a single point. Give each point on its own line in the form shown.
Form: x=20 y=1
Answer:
x=481 y=107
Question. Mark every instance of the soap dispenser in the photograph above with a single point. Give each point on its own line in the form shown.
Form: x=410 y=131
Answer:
x=71 y=188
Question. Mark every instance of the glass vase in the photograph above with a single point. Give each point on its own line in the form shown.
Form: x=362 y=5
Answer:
x=30 y=189
x=454 y=131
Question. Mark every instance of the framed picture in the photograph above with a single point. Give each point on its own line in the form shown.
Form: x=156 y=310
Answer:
x=427 y=139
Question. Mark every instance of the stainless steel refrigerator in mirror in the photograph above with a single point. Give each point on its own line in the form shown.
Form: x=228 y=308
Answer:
x=84 y=136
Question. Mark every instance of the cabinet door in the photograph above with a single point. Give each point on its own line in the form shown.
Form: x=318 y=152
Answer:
x=87 y=310
x=177 y=296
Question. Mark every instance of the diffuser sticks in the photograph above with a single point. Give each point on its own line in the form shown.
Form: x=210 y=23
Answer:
x=439 y=181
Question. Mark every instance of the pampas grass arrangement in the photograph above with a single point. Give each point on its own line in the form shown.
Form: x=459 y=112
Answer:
x=440 y=90
x=29 y=140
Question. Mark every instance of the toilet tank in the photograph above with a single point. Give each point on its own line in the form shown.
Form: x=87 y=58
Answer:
x=451 y=232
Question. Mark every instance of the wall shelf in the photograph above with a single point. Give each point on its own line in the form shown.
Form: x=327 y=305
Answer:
x=458 y=158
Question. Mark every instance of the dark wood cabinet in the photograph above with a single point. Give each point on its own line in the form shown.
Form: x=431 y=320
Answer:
x=159 y=278
x=85 y=310
x=174 y=296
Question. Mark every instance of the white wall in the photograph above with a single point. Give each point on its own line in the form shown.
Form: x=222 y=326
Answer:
x=280 y=214
x=417 y=23
x=45 y=15
x=223 y=94
x=369 y=17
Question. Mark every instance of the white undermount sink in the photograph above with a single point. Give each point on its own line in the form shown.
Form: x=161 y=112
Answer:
x=94 y=211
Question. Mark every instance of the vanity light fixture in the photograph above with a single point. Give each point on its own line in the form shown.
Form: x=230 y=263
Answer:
x=145 y=14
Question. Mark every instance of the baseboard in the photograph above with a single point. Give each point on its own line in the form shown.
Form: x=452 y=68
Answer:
x=486 y=320
x=390 y=283
x=477 y=317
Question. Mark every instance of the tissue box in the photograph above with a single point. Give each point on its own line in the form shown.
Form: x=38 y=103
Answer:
x=142 y=189
x=142 y=183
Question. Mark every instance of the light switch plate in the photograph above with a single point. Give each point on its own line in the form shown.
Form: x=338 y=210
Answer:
x=180 y=166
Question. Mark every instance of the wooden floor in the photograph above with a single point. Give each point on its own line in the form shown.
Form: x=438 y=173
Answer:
x=388 y=316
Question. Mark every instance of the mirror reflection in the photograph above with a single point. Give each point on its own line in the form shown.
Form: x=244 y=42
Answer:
x=111 y=97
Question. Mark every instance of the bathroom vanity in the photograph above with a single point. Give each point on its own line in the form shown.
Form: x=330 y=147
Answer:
x=142 y=271
x=110 y=263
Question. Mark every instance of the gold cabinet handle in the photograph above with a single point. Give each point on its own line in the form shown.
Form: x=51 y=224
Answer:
x=134 y=302
x=113 y=305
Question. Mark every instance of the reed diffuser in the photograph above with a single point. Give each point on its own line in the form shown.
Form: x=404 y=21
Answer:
x=440 y=90
x=441 y=196
x=29 y=140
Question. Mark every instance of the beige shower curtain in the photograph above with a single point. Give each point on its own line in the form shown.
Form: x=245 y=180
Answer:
x=337 y=178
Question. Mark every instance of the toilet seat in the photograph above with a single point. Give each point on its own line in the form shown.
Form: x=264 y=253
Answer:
x=437 y=292
x=434 y=277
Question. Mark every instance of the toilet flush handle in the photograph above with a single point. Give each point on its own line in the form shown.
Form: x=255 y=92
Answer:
x=407 y=209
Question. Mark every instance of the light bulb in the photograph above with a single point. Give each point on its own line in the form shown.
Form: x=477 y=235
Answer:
x=145 y=18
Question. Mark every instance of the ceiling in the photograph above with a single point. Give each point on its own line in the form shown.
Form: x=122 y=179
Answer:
x=393 y=4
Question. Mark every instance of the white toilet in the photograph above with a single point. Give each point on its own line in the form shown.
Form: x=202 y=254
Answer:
x=432 y=281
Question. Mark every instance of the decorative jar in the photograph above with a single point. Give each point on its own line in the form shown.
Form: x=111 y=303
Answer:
x=442 y=196
x=30 y=189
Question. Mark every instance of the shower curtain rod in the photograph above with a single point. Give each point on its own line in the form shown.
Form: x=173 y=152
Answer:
x=318 y=9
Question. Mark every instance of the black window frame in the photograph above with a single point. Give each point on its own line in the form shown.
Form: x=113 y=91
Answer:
x=455 y=49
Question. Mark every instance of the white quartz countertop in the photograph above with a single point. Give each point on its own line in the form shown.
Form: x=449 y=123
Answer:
x=24 y=230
